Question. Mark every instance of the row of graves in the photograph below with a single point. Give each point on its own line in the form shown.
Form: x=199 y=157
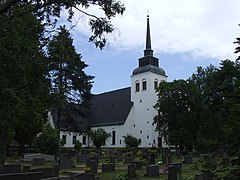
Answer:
x=33 y=166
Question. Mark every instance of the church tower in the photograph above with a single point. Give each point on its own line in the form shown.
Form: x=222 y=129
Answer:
x=144 y=82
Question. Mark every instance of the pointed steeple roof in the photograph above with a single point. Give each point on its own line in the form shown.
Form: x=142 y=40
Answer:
x=148 y=51
x=148 y=62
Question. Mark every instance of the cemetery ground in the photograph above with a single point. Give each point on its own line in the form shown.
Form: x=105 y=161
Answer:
x=117 y=164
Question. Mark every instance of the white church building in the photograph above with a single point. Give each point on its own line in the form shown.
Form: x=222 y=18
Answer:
x=128 y=110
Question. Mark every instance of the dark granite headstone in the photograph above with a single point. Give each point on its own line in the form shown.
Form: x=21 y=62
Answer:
x=82 y=158
x=65 y=163
x=131 y=170
x=199 y=176
x=90 y=159
x=22 y=176
x=152 y=170
x=187 y=160
x=172 y=172
x=11 y=168
x=179 y=167
x=93 y=165
x=110 y=167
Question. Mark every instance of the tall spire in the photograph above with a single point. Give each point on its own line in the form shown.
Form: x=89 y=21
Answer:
x=148 y=51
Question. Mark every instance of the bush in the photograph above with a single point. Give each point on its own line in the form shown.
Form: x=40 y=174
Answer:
x=47 y=141
x=130 y=141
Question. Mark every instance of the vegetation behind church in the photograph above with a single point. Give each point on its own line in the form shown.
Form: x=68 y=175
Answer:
x=26 y=91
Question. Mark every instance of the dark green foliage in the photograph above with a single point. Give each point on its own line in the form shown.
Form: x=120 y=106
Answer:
x=202 y=111
x=50 y=12
x=24 y=91
x=131 y=141
x=47 y=141
x=99 y=137
x=78 y=146
x=69 y=83
x=122 y=176
x=178 y=109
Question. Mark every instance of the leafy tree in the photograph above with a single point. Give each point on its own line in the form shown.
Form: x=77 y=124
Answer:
x=78 y=146
x=47 y=141
x=24 y=91
x=178 y=108
x=99 y=137
x=237 y=50
x=66 y=71
x=131 y=141
x=50 y=11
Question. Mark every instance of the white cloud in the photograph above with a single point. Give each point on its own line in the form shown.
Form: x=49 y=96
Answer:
x=205 y=28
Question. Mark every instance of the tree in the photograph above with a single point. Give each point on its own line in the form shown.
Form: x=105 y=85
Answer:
x=24 y=91
x=47 y=141
x=99 y=137
x=237 y=50
x=131 y=141
x=66 y=72
x=50 y=11
x=178 y=108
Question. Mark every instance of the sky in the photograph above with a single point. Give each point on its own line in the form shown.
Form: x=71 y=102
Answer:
x=184 y=34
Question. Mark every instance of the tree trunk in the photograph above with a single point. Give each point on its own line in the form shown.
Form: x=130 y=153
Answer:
x=3 y=146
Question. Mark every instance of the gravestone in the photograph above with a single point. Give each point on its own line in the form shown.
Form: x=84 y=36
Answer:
x=82 y=158
x=199 y=176
x=187 y=160
x=93 y=164
x=22 y=176
x=110 y=167
x=152 y=170
x=30 y=157
x=172 y=172
x=38 y=161
x=11 y=168
x=179 y=168
x=91 y=158
x=131 y=170
x=65 y=163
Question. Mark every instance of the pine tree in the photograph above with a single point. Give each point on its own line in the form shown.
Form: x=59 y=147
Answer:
x=69 y=82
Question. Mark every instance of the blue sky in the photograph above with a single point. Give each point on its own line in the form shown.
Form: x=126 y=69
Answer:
x=185 y=34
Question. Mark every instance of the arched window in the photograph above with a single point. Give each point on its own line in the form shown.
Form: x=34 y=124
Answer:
x=144 y=84
x=137 y=86
x=155 y=84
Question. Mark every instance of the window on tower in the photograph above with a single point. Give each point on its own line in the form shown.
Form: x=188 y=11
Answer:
x=144 y=85
x=137 y=86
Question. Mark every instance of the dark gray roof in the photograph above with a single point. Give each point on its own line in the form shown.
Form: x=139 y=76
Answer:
x=71 y=119
x=110 y=108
